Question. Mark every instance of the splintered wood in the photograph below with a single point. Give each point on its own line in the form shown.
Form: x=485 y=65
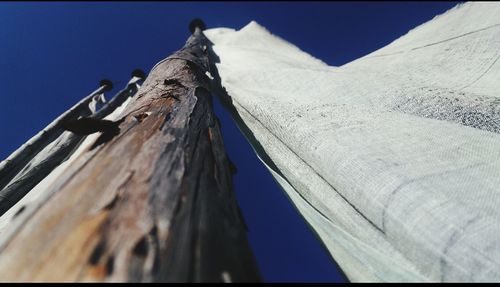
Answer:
x=153 y=202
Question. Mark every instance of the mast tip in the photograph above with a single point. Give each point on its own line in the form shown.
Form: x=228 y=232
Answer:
x=107 y=84
x=196 y=23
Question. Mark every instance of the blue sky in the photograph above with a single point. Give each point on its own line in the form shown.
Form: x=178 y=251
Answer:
x=53 y=54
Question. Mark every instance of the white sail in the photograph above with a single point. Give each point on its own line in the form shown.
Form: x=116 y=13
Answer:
x=394 y=158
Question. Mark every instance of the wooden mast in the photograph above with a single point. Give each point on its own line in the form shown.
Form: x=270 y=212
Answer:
x=151 y=199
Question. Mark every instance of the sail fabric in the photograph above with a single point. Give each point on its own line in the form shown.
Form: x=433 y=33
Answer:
x=394 y=158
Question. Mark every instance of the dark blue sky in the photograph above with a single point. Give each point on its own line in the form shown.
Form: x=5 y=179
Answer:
x=53 y=54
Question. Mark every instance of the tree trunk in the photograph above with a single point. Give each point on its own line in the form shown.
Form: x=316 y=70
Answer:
x=150 y=202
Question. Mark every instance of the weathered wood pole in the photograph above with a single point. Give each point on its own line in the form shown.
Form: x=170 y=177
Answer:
x=153 y=202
